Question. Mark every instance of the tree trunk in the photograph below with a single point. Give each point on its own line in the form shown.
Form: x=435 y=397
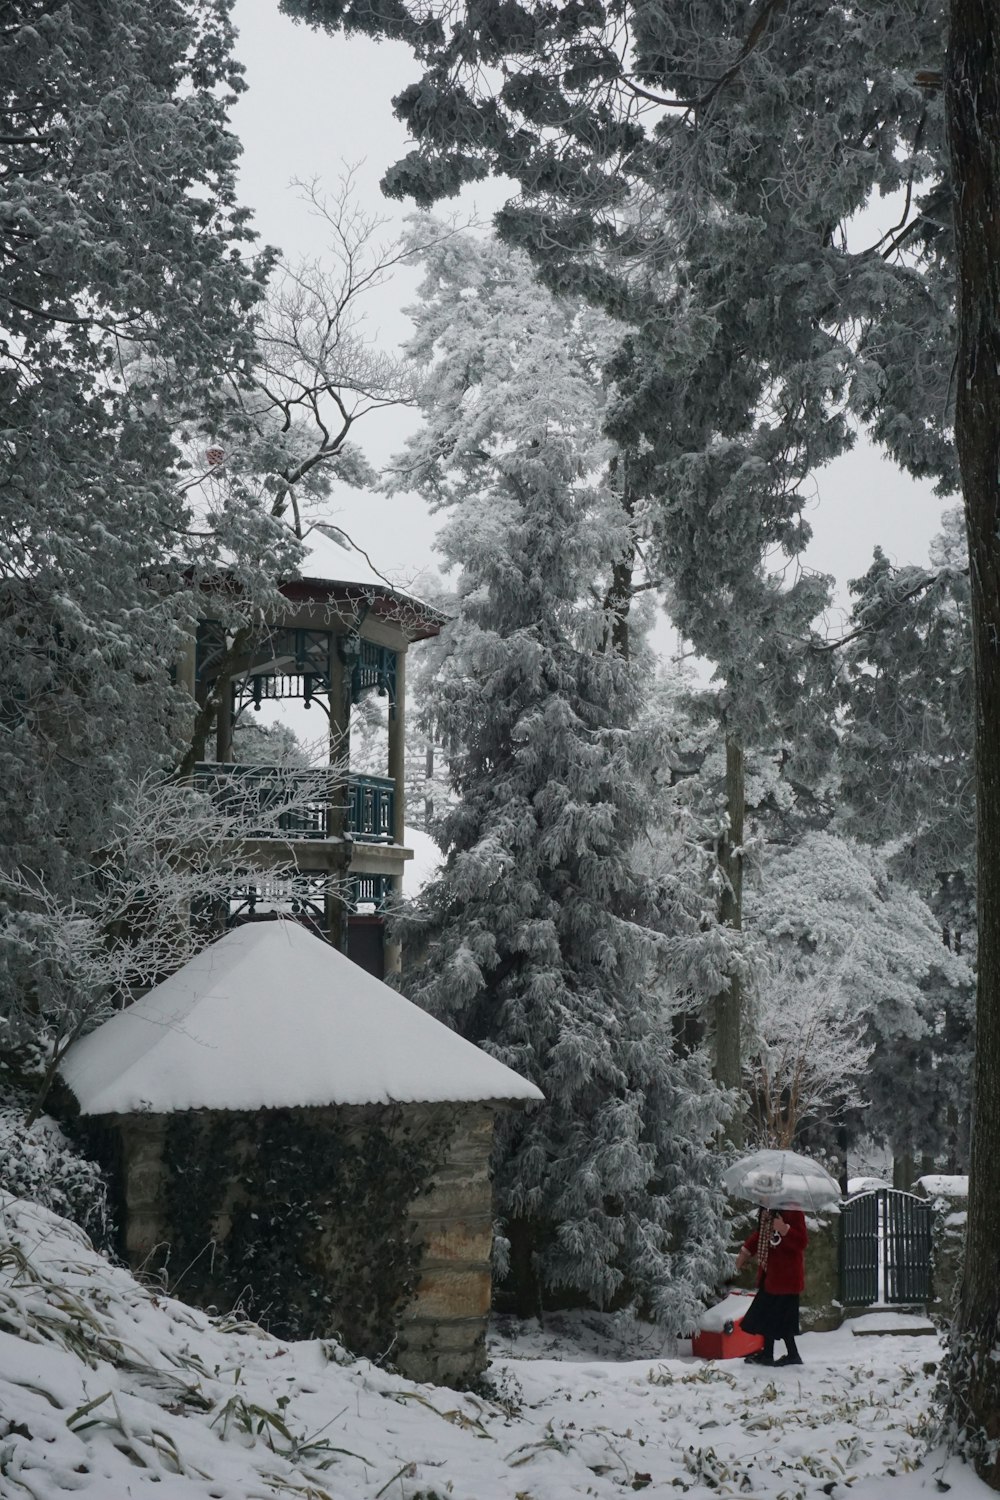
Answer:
x=729 y=1003
x=904 y=1171
x=522 y=1290
x=973 y=108
x=618 y=597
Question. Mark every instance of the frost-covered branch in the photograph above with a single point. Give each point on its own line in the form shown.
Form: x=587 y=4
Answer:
x=810 y=1053
x=169 y=864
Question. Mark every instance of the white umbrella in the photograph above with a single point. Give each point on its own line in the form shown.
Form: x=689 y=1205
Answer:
x=781 y=1179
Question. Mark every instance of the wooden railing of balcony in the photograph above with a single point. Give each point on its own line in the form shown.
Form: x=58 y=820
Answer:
x=257 y=791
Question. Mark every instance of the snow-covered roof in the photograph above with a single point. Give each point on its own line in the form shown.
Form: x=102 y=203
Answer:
x=271 y=1017
x=864 y=1185
x=332 y=560
x=331 y=556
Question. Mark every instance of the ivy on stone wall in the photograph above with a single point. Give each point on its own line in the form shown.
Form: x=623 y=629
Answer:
x=300 y=1217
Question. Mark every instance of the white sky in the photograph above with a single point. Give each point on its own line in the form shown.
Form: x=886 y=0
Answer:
x=317 y=101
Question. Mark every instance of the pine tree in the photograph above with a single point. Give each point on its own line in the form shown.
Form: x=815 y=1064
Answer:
x=540 y=937
x=906 y=760
x=128 y=286
x=907 y=787
x=719 y=154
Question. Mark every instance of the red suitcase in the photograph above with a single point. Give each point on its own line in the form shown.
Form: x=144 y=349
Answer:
x=720 y=1335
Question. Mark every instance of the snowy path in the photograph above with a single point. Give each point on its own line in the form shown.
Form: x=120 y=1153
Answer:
x=108 y=1392
x=705 y=1428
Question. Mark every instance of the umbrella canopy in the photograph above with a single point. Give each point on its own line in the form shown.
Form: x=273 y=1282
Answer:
x=781 y=1179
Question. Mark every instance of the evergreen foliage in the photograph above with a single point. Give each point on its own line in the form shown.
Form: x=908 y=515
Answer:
x=39 y=1162
x=693 y=171
x=540 y=938
x=128 y=291
x=908 y=786
x=850 y=956
x=713 y=155
x=906 y=752
x=157 y=470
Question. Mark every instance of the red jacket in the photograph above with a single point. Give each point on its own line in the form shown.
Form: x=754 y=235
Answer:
x=786 y=1264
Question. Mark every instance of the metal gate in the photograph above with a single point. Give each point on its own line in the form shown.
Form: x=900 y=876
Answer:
x=885 y=1249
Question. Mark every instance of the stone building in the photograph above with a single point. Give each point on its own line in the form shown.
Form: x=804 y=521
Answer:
x=290 y=1135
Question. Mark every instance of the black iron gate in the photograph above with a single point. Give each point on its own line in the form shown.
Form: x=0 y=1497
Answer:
x=885 y=1249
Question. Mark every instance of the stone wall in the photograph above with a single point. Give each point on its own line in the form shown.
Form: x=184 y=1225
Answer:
x=443 y=1333
x=821 y=1306
x=949 y=1196
x=143 y=1189
x=440 y=1320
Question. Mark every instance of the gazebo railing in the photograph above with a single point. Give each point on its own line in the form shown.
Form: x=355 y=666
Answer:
x=371 y=808
x=273 y=802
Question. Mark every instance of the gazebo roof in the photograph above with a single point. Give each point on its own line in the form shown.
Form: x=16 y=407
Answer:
x=271 y=1016
x=333 y=567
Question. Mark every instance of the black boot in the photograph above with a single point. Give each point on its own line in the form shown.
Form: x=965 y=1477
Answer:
x=793 y=1357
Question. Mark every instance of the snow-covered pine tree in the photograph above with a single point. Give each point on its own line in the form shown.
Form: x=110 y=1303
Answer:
x=539 y=937
x=906 y=762
x=156 y=467
x=731 y=147
x=121 y=237
x=907 y=783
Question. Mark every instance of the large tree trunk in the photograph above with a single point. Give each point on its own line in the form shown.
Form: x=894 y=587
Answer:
x=973 y=103
x=729 y=1003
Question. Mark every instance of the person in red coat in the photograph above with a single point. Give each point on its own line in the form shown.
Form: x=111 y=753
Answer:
x=779 y=1244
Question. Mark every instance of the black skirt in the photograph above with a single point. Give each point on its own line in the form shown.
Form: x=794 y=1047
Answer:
x=773 y=1315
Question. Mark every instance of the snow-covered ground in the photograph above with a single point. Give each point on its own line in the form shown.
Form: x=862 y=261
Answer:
x=110 y=1390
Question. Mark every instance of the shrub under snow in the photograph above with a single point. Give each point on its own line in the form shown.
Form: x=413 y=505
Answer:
x=40 y=1163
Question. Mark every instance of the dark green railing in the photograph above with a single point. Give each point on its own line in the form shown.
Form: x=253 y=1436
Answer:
x=371 y=808
x=371 y=890
x=888 y=1232
x=908 y=1223
x=252 y=792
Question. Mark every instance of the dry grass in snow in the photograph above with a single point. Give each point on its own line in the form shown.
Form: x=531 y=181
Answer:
x=110 y=1391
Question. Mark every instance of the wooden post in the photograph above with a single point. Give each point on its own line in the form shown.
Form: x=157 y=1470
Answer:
x=397 y=771
x=397 y=750
x=187 y=680
x=336 y=813
x=187 y=667
x=224 y=721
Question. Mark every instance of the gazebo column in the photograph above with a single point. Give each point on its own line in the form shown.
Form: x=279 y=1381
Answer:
x=336 y=815
x=397 y=772
x=224 y=721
